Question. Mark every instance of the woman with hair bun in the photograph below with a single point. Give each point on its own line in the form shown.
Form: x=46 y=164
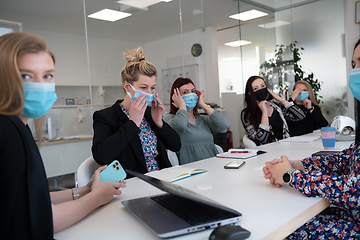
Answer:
x=130 y=131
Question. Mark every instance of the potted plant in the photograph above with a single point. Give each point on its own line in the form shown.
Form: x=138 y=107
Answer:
x=282 y=71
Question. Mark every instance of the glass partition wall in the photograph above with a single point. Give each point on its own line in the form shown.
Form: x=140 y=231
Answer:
x=265 y=45
x=166 y=30
x=204 y=40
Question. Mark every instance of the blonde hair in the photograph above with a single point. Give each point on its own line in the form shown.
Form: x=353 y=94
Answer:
x=13 y=45
x=136 y=64
x=310 y=90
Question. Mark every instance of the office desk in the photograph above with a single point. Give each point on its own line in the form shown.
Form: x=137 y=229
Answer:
x=312 y=146
x=268 y=212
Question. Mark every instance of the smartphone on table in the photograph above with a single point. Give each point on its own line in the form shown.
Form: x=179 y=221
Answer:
x=234 y=165
x=113 y=172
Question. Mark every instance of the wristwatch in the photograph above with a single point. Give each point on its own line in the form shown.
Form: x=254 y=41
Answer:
x=75 y=193
x=288 y=176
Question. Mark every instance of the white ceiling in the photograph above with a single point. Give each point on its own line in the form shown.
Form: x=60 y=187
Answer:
x=158 y=21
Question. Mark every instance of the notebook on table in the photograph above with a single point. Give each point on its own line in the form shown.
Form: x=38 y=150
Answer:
x=179 y=211
x=240 y=153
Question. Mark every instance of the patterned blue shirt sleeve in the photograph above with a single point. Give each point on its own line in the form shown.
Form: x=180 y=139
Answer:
x=336 y=163
x=341 y=188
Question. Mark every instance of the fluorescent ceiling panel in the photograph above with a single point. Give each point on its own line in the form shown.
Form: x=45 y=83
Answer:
x=251 y=14
x=278 y=23
x=4 y=30
x=109 y=15
x=237 y=43
x=141 y=3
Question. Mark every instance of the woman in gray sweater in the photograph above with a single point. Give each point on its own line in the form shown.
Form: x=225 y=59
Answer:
x=195 y=130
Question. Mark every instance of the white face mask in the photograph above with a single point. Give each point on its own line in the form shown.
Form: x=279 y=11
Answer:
x=150 y=97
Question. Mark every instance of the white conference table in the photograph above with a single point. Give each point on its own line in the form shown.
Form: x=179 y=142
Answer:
x=268 y=212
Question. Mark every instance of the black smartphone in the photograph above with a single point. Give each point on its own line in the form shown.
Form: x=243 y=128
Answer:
x=234 y=165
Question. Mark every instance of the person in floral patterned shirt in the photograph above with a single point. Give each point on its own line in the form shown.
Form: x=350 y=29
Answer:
x=334 y=177
x=132 y=130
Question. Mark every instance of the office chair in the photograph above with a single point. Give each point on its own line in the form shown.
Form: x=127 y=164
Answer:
x=218 y=148
x=85 y=172
x=173 y=158
x=248 y=143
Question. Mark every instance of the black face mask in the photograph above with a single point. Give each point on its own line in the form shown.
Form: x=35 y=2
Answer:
x=262 y=94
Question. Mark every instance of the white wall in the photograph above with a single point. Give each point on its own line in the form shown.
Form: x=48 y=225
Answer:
x=319 y=29
x=168 y=53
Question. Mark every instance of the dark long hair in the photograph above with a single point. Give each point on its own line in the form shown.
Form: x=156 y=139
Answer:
x=357 y=109
x=177 y=84
x=251 y=110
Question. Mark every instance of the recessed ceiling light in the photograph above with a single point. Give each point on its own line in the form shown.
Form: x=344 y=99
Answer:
x=237 y=43
x=141 y=3
x=251 y=14
x=109 y=15
x=278 y=23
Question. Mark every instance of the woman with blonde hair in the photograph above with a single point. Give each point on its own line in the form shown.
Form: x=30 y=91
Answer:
x=28 y=91
x=305 y=100
x=130 y=131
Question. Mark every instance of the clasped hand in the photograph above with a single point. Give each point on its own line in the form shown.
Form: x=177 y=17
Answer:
x=275 y=169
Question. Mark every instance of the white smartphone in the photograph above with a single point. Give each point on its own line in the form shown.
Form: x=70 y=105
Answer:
x=234 y=165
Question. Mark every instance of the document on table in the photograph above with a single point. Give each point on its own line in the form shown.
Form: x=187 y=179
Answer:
x=300 y=139
x=239 y=153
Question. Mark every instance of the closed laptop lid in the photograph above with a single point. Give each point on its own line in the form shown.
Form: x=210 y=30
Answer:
x=180 y=191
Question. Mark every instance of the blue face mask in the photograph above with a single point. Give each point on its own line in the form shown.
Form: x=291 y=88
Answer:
x=191 y=100
x=39 y=97
x=354 y=83
x=303 y=95
x=150 y=97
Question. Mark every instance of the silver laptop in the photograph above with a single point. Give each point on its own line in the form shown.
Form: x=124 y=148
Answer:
x=179 y=211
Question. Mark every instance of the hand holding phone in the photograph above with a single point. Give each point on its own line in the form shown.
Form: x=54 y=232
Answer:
x=113 y=173
x=234 y=165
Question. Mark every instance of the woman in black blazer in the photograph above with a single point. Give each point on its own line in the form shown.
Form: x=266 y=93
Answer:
x=130 y=131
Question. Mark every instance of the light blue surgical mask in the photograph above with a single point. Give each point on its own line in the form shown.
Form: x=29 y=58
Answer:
x=150 y=97
x=191 y=100
x=354 y=83
x=39 y=97
x=303 y=95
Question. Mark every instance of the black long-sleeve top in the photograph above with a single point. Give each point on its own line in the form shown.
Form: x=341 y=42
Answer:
x=311 y=122
x=116 y=138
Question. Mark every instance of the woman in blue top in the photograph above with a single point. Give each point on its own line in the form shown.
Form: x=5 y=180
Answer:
x=195 y=130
